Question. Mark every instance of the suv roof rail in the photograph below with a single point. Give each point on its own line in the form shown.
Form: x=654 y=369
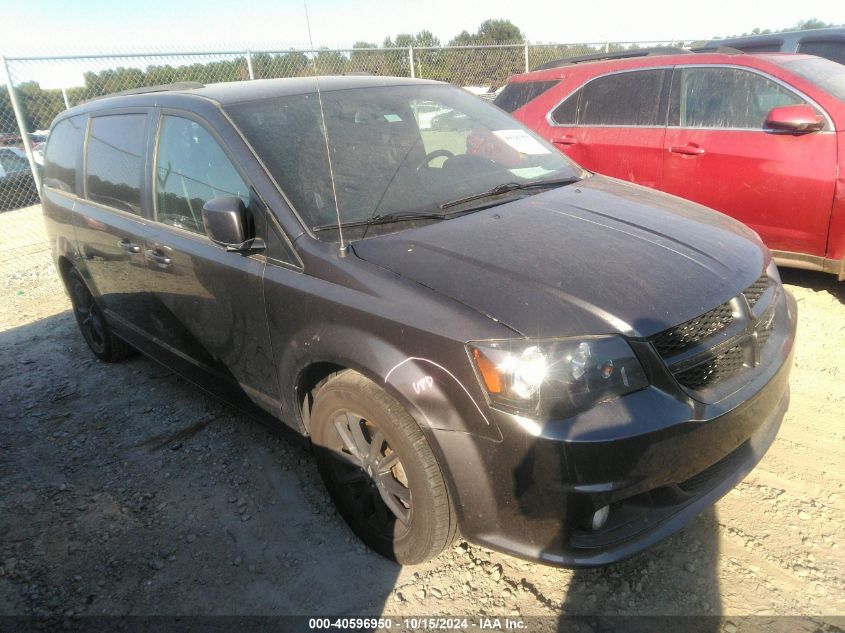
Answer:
x=724 y=50
x=179 y=85
x=638 y=52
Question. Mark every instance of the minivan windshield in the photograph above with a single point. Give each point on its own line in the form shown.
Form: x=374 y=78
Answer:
x=398 y=152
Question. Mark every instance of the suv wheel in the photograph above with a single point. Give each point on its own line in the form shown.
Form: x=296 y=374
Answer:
x=380 y=470
x=92 y=323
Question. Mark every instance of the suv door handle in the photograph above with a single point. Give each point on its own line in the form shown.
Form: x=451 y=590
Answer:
x=565 y=140
x=690 y=149
x=157 y=256
x=128 y=246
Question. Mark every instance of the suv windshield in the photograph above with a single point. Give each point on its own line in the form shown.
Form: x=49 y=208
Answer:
x=827 y=75
x=396 y=151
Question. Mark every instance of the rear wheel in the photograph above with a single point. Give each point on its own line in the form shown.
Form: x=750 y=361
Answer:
x=380 y=470
x=92 y=323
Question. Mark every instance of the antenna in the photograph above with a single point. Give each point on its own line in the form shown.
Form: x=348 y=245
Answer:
x=343 y=249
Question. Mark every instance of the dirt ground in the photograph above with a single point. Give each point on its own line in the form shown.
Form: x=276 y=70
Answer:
x=125 y=490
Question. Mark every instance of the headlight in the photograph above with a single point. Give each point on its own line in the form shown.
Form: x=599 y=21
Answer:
x=555 y=378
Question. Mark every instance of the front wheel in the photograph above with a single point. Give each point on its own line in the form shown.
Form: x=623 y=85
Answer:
x=92 y=322
x=380 y=470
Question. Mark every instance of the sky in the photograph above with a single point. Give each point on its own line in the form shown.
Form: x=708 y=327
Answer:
x=66 y=26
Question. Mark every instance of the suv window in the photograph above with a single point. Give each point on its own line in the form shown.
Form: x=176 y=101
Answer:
x=629 y=98
x=63 y=150
x=191 y=169
x=115 y=161
x=515 y=95
x=725 y=98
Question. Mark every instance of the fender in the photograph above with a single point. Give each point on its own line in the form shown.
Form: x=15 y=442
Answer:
x=437 y=396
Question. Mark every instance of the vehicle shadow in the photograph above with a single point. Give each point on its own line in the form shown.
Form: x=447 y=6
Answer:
x=128 y=490
x=814 y=280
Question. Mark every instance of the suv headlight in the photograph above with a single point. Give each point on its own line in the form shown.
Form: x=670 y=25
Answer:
x=555 y=378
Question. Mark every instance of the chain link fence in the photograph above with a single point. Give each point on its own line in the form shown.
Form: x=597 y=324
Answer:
x=37 y=88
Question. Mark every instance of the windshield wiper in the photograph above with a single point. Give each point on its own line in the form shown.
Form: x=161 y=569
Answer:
x=387 y=218
x=511 y=186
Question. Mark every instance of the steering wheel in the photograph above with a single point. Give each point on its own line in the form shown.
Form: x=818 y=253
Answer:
x=445 y=153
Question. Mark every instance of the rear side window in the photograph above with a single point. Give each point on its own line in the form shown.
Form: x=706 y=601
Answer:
x=833 y=50
x=191 y=169
x=115 y=161
x=64 y=148
x=725 y=98
x=515 y=95
x=627 y=99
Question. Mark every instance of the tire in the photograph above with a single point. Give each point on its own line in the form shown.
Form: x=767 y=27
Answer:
x=92 y=322
x=399 y=506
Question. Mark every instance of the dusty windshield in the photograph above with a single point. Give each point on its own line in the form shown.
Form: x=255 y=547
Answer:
x=828 y=75
x=395 y=150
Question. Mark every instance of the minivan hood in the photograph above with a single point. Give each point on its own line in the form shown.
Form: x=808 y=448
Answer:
x=599 y=256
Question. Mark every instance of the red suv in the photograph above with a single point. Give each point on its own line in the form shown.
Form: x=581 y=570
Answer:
x=759 y=137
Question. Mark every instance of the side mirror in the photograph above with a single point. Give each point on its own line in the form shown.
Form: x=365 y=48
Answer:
x=794 y=119
x=224 y=224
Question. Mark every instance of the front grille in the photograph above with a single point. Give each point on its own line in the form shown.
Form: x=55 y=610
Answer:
x=756 y=290
x=709 y=367
x=711 y=371
x=691 y=332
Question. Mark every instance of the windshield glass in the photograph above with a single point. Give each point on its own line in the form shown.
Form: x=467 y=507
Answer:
x=827 y=75
x=395 y=150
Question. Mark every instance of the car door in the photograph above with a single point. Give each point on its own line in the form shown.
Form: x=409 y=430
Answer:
x=112 y=218
x=208 y=315
x=615 y=124
x=718 y=153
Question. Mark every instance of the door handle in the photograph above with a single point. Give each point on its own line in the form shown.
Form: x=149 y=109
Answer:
x=128 y=246
x=158 y=258
x=565 y=140
x=691 y=149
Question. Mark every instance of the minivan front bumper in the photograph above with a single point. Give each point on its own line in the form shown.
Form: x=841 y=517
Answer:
x=653 y=459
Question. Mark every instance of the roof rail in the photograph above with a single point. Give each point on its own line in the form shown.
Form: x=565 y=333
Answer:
x=179 y=85
x=637 y=52
x=723 y=50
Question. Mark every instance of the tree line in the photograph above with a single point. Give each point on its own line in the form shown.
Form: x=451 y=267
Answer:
x=461 y=66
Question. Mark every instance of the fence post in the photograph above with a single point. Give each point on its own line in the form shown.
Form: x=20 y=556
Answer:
x=411 y=61
x=527 y=69
x=16 y=106
x=249 y=65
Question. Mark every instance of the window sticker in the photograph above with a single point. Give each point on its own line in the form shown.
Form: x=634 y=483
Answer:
x=392 y=118
x=522 y=142
x=531 y=172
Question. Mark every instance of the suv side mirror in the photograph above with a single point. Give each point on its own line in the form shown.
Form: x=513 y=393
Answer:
x=794 y=119
x=224 y=224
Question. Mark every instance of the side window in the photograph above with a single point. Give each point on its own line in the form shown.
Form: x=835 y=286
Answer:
x=115 y=161
x=519 y=93
x=191 y=169
x=833 y=50
x=567 y=112
x=631 y=98
x=64 y=147
x=725 y=98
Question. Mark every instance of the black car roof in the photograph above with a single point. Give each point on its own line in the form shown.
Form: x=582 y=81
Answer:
x=238 y=91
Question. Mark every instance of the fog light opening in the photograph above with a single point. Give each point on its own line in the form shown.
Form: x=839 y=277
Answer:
x=599 y=518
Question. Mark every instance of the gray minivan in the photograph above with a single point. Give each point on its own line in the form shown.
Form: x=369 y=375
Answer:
x=477 y=335
x=828 y=43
